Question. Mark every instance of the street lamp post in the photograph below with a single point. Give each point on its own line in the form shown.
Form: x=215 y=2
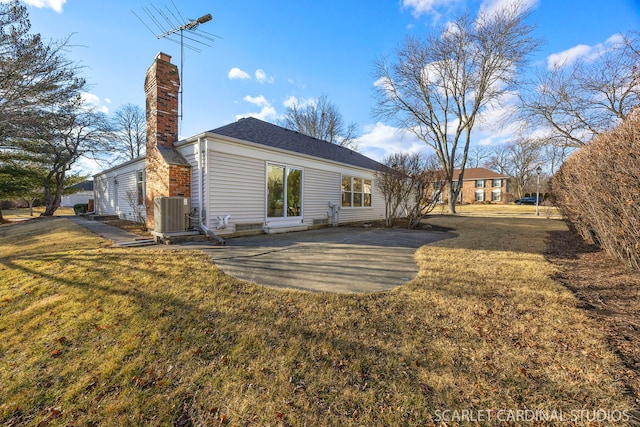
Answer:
x=538 y=170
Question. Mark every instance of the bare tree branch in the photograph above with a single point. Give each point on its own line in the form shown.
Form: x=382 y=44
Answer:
x=437 y=87
x=321 y=120
x=591 y=96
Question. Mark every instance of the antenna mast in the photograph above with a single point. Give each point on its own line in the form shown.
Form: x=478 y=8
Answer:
x=170 y=22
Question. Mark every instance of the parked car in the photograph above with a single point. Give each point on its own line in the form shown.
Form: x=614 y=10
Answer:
x=528 y=201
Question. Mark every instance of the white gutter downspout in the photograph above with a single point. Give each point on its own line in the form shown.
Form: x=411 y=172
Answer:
x=201 y=157
x=201 y=217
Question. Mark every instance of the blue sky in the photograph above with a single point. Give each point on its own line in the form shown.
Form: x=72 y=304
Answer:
x=271 y=51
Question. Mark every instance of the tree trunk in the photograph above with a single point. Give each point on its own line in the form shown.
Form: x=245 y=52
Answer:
x=1 y=218
x=52 y=201
x=452 y=199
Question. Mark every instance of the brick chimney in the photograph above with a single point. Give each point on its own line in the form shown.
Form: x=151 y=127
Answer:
x=167 y=171
x=161 y=87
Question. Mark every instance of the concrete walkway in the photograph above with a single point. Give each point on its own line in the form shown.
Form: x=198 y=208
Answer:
x=341 y=259
x=115 y=234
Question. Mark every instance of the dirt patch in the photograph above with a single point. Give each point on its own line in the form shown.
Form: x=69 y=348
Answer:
x=608 y=291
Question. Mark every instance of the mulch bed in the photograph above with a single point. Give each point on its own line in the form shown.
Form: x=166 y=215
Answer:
x=608 y=291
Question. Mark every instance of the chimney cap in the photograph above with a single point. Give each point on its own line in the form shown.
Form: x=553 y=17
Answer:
x=163 y=57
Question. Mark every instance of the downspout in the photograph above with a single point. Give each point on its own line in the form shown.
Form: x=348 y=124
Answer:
x=201 y=217
x=201 y=157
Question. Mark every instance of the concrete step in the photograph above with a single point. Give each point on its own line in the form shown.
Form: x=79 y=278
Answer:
x=136 y=243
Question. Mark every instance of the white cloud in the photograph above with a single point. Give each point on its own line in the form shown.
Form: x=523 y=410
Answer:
x=425 y=7
x=490 y=7
x=290 y=101
x=567 y=57
x=260 y=101
x=94 y=101
x=53 y=4
x=237 y=73
x=580 y=52
x=267 y=112
x=262 y=77
x=379 y=140
x=301 y=103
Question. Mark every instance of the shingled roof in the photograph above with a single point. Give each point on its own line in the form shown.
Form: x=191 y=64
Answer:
x=260 y=132
x=477 y=173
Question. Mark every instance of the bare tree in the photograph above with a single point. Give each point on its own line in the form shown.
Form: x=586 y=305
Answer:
x=555 y=152
x=129 y=133
x=411 y=185
x=478 y=156
x=321 y=119
x=76 y=134
x=581 y=100
x=518 y=160
x=438 y=87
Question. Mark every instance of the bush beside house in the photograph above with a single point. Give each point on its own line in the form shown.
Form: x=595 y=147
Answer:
x=598 y=191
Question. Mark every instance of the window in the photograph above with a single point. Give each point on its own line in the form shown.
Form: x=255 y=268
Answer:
x=479 y=183
x=495 y=195
x=346 y=191
x=284 y=191
x=366 y=193
x=356 y=192
x=497 y=183
x=479 y=196
x=140 y=187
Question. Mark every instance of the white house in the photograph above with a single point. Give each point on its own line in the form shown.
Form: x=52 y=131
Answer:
x=82 y=193
x=249 y=175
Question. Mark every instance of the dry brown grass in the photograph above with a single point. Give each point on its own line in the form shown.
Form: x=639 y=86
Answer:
x=138 y=228
x=94 y=335
x=25 y=213
x=508 y=210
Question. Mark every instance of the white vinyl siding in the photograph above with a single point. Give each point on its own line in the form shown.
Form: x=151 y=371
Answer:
x=112 y=188
x=237 y=188
x=236 y=185
x=320 y=188
x=195 y=182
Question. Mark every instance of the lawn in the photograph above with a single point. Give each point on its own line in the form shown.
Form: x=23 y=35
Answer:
x=25 y=213
x=93 y=335
x=511 y=209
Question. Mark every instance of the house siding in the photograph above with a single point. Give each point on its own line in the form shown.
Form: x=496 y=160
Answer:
x=320 y=188
x=235 y=184
x=236 y=190
x=111 y=198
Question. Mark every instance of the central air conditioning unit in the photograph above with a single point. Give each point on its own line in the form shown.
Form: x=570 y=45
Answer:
x=171 y=214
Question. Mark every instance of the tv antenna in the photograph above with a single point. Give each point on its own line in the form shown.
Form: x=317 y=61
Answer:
x=169 y=23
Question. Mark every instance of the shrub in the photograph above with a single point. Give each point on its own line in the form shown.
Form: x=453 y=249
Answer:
x=598 y=191
x=81 y=208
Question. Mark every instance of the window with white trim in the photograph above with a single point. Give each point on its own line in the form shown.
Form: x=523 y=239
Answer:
x=356 y=192
x=496 y=182
x=140 y=187
x=479 y=195
x=479 y=183
x=496 y=195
